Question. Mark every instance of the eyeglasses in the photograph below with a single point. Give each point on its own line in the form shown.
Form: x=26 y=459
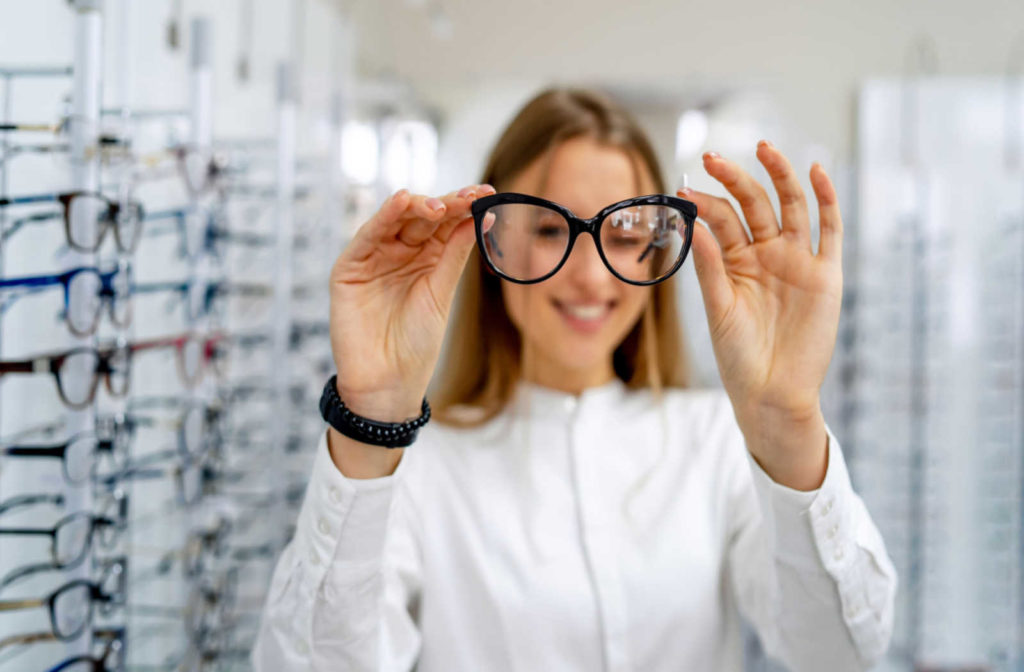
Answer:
x=194 y=353
x=208 y=605
x=112 y=658
x=202 y=298
x=71 y=606
x=87 y=218
x=192 y=474
x=79 y=455
x=78 y=372
x=526 y=239
x=198 y=424
x=70 y=538
x=213 y=239
x=86 y=290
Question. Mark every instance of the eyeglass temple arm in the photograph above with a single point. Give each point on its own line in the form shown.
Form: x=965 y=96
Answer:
x=26 y=531
x=15 y=605
x=34 y=281
x=28 y=570
x=36 y=451
x=19 y=501
x=24 y=366
x=24 y=200
x=30 y=638
x=30 y=219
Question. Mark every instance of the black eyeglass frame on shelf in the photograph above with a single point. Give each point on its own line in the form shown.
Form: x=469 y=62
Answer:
x=578 y=225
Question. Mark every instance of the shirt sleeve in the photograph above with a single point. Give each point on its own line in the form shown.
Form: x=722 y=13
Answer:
x=809 y=570
x=345 y=589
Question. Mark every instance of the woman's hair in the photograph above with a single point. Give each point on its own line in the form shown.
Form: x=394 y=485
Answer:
x=482 y=370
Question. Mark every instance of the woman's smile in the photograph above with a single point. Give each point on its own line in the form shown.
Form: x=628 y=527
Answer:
x=586 y=317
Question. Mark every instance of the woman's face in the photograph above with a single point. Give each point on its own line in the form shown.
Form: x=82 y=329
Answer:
x=572 y=322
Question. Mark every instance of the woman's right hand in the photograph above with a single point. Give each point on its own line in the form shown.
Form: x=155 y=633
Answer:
x=392 y=289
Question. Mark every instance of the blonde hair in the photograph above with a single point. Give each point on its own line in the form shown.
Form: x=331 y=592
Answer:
x=483 y=371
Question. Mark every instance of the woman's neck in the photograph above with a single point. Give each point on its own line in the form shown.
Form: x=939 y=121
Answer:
x=573 y=381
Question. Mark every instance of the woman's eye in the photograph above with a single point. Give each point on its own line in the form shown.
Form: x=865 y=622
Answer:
x=549 y=230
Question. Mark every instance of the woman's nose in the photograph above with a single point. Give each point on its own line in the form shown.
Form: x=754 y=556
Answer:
x=584 y=263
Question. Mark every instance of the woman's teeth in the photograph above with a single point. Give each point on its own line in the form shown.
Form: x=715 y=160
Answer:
x=588 y=312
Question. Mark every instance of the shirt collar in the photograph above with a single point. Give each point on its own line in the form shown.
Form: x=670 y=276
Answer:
x=540 y=401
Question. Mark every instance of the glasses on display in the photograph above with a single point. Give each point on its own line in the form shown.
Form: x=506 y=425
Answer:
x=70 y=607
x=194 y=353
x=191 y=475
x=79 y=455
x=86 y=291
x=110 y=659
x=71 y=538
x=526 y=239
x=20 y=501
x=196 y=239
x=78 y=372
x=87 y=218
x=202 y=298
x=198 y=424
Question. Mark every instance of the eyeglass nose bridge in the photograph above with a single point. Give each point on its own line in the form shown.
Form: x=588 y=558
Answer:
x=578 y=226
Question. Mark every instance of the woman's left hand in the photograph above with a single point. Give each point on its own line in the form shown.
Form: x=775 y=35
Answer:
x=772 y=304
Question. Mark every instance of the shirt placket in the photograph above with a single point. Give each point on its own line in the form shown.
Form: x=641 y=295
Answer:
x=598 y=531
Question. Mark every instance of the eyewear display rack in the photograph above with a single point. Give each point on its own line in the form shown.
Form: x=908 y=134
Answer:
x=139 y=525
x=936 y=439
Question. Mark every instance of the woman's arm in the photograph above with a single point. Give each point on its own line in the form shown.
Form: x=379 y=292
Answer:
x=344 y=588
x=809 y=570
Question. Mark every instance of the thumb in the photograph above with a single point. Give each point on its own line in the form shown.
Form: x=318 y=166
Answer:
x=711 y=275
x=453 y=259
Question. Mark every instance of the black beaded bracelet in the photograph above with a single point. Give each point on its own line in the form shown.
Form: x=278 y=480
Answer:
x=387 y=434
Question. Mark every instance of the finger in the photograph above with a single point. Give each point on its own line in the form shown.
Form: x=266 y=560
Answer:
x=830 y=221
x=752 y=197
x=711 y=274
x=423 y=222
x=453 y=261
x=721 y=217
x=792 y=201
x=456 y=215
x=422 y=218
x=381 y=227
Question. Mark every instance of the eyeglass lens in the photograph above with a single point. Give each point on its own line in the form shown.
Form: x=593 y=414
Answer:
x=642 y=243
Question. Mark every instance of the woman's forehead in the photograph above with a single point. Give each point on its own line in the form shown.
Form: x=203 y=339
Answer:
x=585 y=176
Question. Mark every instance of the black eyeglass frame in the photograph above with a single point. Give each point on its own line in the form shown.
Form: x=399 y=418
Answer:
x=578 y=225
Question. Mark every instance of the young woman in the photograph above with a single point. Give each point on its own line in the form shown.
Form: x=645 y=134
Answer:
x=574 y=505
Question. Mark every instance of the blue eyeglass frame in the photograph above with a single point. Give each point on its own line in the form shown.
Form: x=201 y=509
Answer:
x=108 y=293
x=578 y=225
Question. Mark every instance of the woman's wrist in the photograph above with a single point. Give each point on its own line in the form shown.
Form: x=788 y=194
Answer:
x=361 y=460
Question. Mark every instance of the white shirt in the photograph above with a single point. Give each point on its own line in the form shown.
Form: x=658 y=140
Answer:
x=479 y=554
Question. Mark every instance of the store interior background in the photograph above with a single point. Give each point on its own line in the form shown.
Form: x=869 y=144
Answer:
x=916 y=110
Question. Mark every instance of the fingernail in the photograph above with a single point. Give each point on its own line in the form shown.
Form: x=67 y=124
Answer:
x=466 y=191
x=435 y=204
x=686 y=190
x=488 y=189
x=765 y=143
x=398 y=193
x=711 y=155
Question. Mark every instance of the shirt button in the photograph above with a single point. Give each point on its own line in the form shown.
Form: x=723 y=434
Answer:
x=852 y=611
x=825 y=508
x=334 y=494
x=570 y=404
x=314 y=559
x=832 y=531
x=301 y=647
x=839 y=553
x=323 y=526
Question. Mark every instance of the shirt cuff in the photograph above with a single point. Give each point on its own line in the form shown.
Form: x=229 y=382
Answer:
x=343 y=520
x=810 y=529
